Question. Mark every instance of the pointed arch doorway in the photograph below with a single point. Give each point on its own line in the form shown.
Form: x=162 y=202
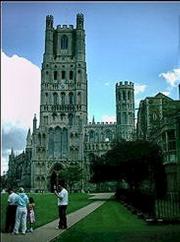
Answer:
x=54 y=176
x=54 y=180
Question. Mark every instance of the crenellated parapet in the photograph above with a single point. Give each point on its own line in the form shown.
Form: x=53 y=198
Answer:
x=125 y=84
x=65 y=27
x=101 y=123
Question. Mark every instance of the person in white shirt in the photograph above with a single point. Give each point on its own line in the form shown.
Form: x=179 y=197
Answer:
x=62 y=195
x=11 y=211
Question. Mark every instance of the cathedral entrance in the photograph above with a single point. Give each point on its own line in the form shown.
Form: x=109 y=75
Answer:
x=54 y=180
x=54 y=177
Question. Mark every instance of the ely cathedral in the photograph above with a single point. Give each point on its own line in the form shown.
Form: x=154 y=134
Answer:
x=64 y=136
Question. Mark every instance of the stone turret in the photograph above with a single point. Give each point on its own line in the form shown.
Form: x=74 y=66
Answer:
x=28 y=139
x=49 y=39
x=80 y=38
x=80 y=21
x=125 y=111
x=11 y=156
x=34 y=123
x=93 y=120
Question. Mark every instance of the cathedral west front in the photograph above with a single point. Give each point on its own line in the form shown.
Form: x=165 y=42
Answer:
x=64 y=136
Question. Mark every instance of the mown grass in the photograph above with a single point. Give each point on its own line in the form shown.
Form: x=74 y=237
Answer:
x=46 y=206
x=114 y=223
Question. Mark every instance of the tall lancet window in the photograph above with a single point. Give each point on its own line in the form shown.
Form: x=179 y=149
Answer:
x=51 y=142
x=46 y=98
x=70 y=119
x=63 y=98
x=71 y=75
x=71 y=98
x=64 y=42
x=57 y=142
x=79 y=98
x=108 y=135
x=64 y=141
x=55 y=98
x=91 y=135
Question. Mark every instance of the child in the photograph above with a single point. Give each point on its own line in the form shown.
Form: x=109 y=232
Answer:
x=31 y=216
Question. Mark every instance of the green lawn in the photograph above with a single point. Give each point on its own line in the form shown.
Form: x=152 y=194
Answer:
x=114 y=223
x=46 y=206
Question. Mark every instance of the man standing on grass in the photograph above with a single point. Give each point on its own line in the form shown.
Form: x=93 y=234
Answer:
x=62 y=195
x=11 y=211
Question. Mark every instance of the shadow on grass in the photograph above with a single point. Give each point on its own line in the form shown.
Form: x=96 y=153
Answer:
x=128 y=236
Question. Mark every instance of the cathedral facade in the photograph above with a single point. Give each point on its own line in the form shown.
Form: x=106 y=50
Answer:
x=64 y=136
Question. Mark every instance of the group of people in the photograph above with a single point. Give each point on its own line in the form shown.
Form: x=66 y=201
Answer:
x=20 y=215
x=20 y=212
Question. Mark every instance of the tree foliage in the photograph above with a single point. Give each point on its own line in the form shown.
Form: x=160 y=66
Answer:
x=71 y=175
x=134 y=161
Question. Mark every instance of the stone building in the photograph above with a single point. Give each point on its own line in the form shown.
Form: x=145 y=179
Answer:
x=158 y=121
x=64 y=135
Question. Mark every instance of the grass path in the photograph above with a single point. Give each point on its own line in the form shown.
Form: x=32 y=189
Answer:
x=114 y=223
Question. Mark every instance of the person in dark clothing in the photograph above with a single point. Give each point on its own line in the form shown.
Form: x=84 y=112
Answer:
x=11 y=211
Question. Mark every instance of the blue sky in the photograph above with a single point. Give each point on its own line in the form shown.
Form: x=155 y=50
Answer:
x=124 y=41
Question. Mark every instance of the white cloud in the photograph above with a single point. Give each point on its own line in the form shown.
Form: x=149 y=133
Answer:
x=166 y=93
x=20 y=90
x=139 y=88
x=108 y=118
x=171 y=77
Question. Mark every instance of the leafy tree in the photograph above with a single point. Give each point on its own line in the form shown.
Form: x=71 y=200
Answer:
x=3 y=182
x=134 y=161
x=71 y=175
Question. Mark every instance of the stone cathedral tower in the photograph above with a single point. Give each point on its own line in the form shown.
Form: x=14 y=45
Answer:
x=64 y=136
x=125 y=110
x=63 y=107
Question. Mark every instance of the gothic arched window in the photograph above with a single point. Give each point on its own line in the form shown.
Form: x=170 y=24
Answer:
x=64 y=42
x=62 y=116
x=64 y=141
x=108 y=135
x=57 y=142
x=71 y=75
x=102 y=137
x=71 y=100
x=46 y=98
x=124 y=95
x=63 y=74
x=63 y=98
x=51 y=142
x=70 y=119
x=55 y=98
x=91 y=136
x=79 y=98
x=43 y=139
x=39 y=139
x=55 y=75
x=97 y=137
